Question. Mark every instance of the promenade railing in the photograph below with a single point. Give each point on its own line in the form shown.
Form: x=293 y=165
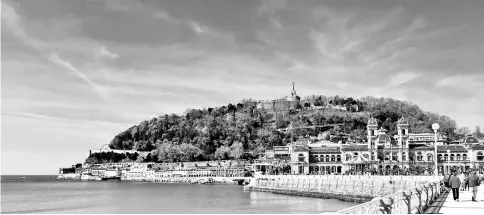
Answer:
x=364 y=186
x=410 y=201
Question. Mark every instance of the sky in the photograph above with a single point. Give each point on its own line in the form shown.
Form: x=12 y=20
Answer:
x=76 y=73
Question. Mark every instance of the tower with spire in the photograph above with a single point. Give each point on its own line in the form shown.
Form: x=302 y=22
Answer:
x=294 y=97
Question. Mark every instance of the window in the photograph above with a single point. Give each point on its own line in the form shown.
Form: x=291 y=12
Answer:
x=439 y=157
x=301 y=157
x=458 y=157
x=452 y=157
x=464 y=157
x=430 y=157
x=480 y=156
x=348 y=157
x=327 y=158
x=333 y=158
x=338 y=158
x=419 y=156
x=446 y=157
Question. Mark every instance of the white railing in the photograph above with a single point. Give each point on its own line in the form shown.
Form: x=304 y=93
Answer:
x=409 y=201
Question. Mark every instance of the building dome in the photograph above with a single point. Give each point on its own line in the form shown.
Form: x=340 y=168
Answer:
x=470 y=140
x=372 y=121
x=402 y=121
x=382 y=138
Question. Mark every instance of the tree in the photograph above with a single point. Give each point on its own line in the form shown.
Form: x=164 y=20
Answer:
x=236 y=150
x=477 y=133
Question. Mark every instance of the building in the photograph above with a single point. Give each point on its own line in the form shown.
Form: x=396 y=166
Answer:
x=404 y=151
x=284 y=104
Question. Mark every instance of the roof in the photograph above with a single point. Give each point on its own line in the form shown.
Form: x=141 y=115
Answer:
x=301 y=149
x=358 y=159
x=424 y=148
x=470 y=139
x=383 y=137
x=354 y=148
x=452 y=148
x=402 y=121
x=477 y=147
x=325 y=150
x=302 y=142
x=372 y=121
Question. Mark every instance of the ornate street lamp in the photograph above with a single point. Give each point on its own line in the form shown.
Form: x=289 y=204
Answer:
x=436 y=127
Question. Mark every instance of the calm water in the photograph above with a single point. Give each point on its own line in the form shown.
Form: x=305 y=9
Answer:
x=41 y=194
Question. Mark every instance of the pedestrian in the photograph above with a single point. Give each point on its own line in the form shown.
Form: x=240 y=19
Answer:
x=446 y=182
x=466 y=184
x=462 y=178
x=474 y=183
x=455 y=183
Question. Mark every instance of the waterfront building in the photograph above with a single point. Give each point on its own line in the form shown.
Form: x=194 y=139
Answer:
x=404 y=151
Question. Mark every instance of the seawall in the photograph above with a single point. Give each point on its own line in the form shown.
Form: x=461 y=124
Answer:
x=347 y=188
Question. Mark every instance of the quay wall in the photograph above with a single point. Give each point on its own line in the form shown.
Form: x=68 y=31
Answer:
x=348 y=188
x=189 y=180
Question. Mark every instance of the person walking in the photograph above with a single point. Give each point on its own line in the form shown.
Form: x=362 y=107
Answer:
x=474 y=183
x=466 y=183
x=462 y=178
x=455 y=183
x=446 y=182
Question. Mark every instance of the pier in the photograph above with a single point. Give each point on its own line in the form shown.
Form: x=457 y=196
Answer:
x=379 y=194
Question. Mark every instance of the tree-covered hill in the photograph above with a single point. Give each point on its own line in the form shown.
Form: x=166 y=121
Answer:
x=226 y=132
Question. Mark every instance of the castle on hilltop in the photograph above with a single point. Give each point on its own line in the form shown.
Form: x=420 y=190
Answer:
x=291 y=102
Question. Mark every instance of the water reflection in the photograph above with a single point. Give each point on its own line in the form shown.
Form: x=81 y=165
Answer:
x=296 y=204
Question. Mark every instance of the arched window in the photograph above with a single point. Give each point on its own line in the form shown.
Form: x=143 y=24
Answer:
x=430 y=157
x=446 y=157
x=419 y=156
x=404 y=156
x=333 y=158
x=327 y=158
x=452 y=157
x=464 y=157
x=348 y=157
x=458 y=157
x=480 y=156
x=301 y=157
x=439 y=157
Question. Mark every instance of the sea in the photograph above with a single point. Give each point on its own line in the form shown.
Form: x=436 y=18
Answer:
x=44 y=194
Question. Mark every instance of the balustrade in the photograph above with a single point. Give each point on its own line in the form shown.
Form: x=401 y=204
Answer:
x=402 y=194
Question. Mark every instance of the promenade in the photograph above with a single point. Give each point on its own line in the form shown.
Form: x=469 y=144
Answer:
x=447 y=205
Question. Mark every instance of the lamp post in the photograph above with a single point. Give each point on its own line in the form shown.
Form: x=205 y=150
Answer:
x=448 y=160
x=436 y=127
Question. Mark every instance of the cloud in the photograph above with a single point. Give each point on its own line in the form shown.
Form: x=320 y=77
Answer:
x=402 y=78
x=104 y=53
x=472 y=81
x=97 y=88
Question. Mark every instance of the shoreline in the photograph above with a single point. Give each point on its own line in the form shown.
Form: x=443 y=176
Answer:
x=169 y=180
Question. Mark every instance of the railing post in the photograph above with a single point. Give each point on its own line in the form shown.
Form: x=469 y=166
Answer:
x=386 y=204
x=407 y=198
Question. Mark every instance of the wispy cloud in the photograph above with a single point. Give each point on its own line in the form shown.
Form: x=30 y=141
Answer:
x=104 y=53
x=54 y=58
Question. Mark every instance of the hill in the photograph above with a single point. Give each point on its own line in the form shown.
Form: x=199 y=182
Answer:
x=226 y=132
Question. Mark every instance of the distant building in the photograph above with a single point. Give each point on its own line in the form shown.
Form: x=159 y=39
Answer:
x=288 y=103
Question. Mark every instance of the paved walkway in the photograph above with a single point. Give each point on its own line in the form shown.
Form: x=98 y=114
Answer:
x=465 y=205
